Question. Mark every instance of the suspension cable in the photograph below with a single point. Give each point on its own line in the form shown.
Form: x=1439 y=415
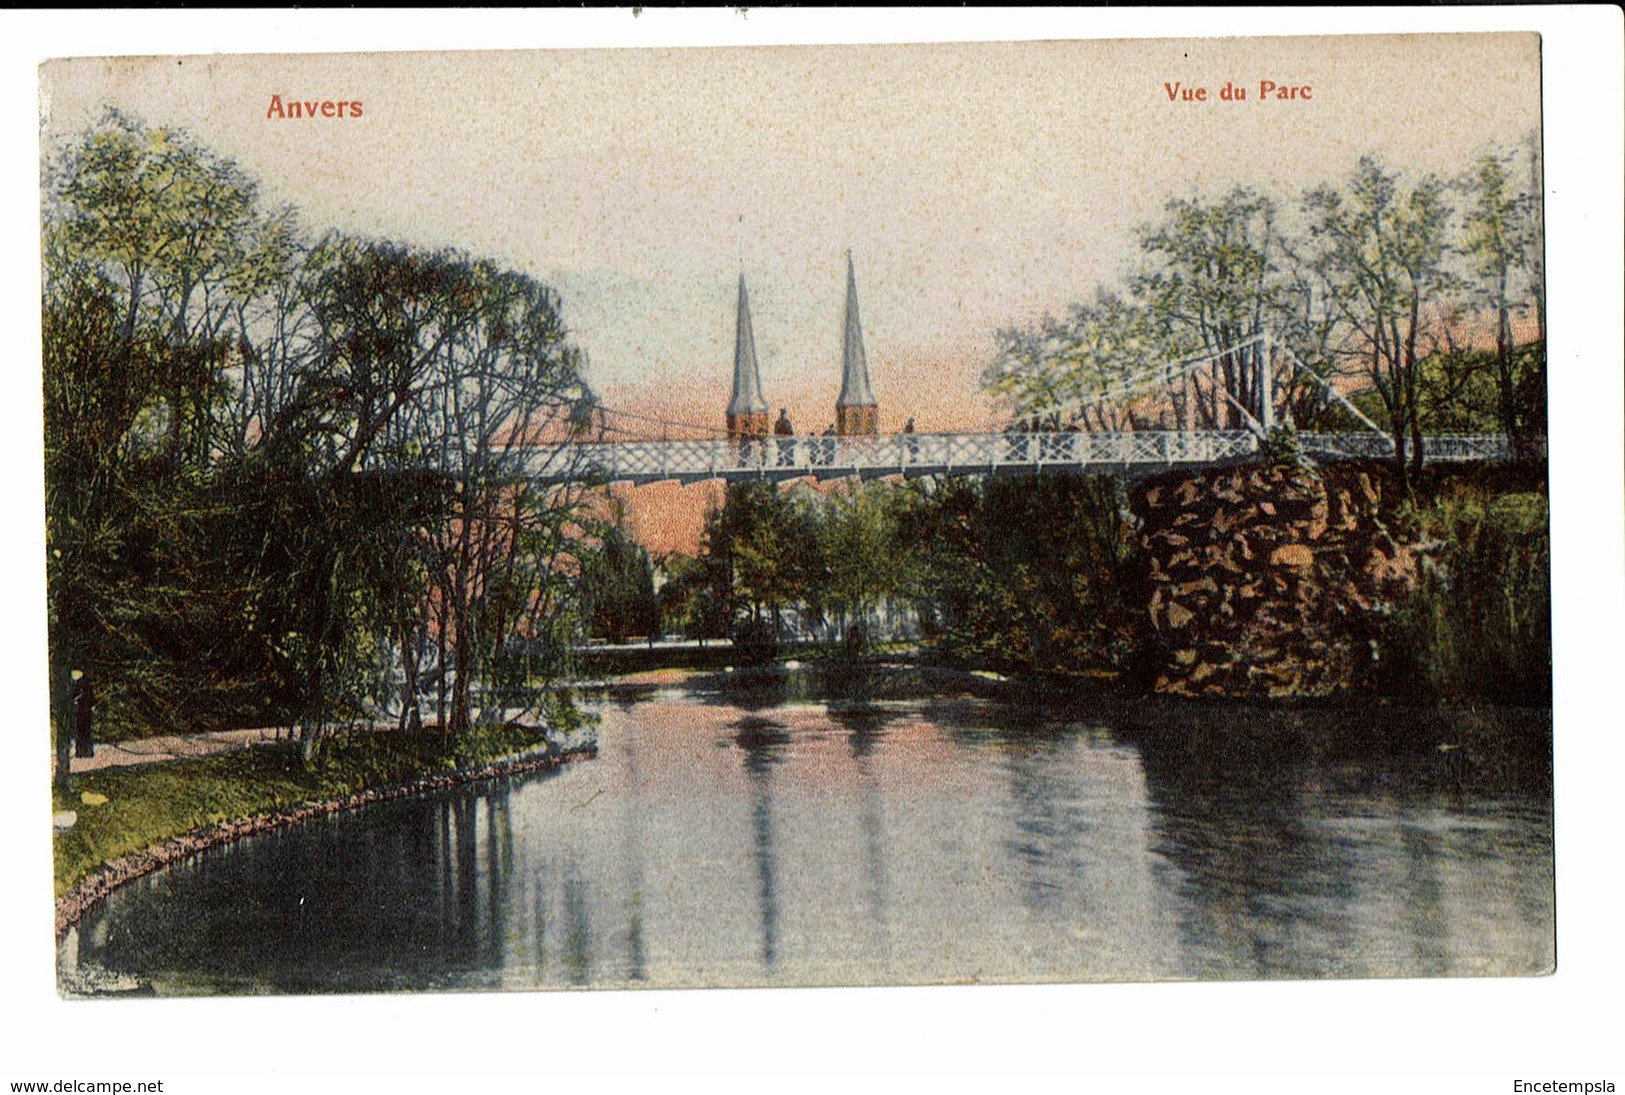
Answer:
x=1134 y=382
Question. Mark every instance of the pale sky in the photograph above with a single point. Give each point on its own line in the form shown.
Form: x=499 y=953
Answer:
x=978 y=185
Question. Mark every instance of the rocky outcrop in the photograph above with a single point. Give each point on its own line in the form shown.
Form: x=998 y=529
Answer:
x=1269 y=581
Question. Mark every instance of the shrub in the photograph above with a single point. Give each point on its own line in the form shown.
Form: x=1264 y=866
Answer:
x=756 y=642
x=1479 y=625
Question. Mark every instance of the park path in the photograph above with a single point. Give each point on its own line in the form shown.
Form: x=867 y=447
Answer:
x=166 y=747
x=125 y=754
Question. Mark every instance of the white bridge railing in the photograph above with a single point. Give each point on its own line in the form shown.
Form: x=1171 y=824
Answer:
x=1437 y=448
x=959 y=454
x=891 y=454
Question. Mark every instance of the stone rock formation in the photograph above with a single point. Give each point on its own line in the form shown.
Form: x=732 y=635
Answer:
x=1269 y=581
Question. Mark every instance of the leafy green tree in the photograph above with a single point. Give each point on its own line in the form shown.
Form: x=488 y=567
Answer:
x=688 y=600
x=1382 y=246
x=510 y=380
x=866 y=557
x=1035 y=575
x=96 y=387
x=333 y=473
x=766 y=553
x=1458 y=389
x=277 y=469
x=1213 y=275
x=1073 y=373
x=138 y=249
x=619 y=577
x=165 y=220
x=1213 y=280
x=1501 y=229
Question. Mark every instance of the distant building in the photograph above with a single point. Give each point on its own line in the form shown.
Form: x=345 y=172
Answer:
x=747 y=410
x=856 y=412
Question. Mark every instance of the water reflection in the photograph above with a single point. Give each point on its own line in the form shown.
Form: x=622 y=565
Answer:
x=866 y=840
x=632 y=857
x=1237 y=833
x=1284 y=869
x=864 y=723
x=763 y=743
x=577 y=926
x=865 y=726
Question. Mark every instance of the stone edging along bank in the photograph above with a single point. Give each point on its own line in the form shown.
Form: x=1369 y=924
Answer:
x=85 y=894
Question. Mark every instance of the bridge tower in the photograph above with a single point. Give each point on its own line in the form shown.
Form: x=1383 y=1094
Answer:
x=747 y=410
x=856 y=412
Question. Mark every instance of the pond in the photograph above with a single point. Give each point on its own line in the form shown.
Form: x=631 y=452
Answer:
x=794 y=833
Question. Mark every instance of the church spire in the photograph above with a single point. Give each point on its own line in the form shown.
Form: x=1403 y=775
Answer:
x=747 y=410
x=856 y=412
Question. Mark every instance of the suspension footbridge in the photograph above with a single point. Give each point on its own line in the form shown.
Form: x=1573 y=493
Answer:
x=1207 y=410
x=1129 y=453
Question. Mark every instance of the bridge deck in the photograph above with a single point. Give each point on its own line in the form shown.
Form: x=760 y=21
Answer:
x=1127 y=452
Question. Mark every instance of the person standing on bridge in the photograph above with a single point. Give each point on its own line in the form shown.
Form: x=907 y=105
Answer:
x=786 y=436
x=912 y=442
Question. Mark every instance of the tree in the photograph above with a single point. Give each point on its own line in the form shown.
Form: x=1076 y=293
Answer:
x=619 y=584
x=139 y=254
x=510 y=380
x=689 y=603
x=1381 y=246
x=865 y=557
x=165 y=220
x=275 y=328
x=334 y=466
x=1076 y=373
x=274 y=469
x=1032 y=575
x=96 y=383
x=1213 y=282
x=1500 y=236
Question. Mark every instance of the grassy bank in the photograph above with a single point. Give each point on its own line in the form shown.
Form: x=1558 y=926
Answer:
x=145 y=806
x=1479 y=626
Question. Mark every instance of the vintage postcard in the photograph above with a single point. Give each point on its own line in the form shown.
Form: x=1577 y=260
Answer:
x=844 y=515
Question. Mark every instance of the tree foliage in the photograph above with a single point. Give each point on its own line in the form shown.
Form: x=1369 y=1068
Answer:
x=1029 y=576
x=287 y=478
x=1382 y=246
x=1372 y=286
x=619 y=584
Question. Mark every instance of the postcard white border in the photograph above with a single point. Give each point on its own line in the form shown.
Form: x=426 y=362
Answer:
x=1439 y=1036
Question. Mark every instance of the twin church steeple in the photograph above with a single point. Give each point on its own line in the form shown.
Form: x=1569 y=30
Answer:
x=856 y=412
x=747 y=410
